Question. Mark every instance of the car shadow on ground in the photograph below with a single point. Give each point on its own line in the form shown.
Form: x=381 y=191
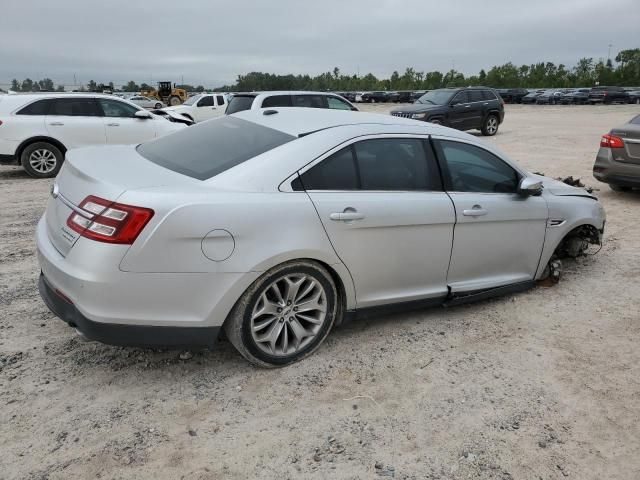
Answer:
x=14 y=173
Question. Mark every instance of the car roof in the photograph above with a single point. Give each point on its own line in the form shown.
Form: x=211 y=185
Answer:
x=300 y=121
x=13 y=101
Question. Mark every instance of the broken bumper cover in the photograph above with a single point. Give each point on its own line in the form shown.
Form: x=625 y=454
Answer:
x=125 y=335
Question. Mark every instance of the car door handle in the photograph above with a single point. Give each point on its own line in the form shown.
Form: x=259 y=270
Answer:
x=113 y=124
x=56 y=124
x=346 y=216
x=476 y=211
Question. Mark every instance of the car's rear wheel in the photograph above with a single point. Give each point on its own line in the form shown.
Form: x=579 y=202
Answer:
x=490 y=125
x=158 y=106
x=42 y=160
x=284 y=315
x=619 y=188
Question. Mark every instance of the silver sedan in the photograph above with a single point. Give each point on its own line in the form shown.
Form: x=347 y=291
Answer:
x=146 y=102
x=277 y=224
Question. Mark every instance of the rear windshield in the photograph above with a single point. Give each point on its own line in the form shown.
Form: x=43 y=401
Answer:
x=238 y=103
x=203 y=151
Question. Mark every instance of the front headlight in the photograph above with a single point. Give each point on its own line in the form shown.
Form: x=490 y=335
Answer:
x=419 y=116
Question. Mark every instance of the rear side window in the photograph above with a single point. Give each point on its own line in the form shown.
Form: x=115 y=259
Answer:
x=74 y=107
x=635 y=120
x=473 y=169
x=204 y=150
x=41 y=107
x=461 y=97
x=475 y=95
x=239 y=103
x=337 y=172
x=387 y=164
x=489 y=95
x=309 y=101
x=220 y=99
x=277 y=101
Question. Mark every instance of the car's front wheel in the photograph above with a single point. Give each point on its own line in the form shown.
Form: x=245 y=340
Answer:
x=285 y=314
x=158 y=106
x=490 y=125
x=42 y=160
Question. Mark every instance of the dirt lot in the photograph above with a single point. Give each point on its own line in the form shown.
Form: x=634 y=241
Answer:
x=540 y=385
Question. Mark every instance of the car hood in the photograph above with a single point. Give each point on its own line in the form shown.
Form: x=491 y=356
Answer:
x=418 y=107
x=558 y=188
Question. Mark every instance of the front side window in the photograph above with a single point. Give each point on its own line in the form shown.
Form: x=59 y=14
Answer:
x=114 y=108
x=277 y=101
x=473 y=169
x=74 y=107
x=475 y=95
x=337 y=104
x=206 y=101
x=41 y=107
x=387 y=164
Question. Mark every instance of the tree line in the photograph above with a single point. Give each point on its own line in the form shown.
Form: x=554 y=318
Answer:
x=586 y=73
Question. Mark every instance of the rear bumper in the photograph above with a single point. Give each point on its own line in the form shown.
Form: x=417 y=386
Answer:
x=125 y=335
x=608 y=170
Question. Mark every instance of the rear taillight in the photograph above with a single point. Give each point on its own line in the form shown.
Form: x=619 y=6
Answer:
x=111 y=222
x=611 y=141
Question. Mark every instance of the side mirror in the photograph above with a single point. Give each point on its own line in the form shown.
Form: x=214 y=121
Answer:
x=529 y=187
x=142 y=114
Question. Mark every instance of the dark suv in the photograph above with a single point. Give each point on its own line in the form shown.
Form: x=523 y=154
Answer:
x=513 y=95
x=608 y=95
x=462 y=108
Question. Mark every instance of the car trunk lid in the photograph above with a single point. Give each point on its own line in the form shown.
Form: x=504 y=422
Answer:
x=105 y=172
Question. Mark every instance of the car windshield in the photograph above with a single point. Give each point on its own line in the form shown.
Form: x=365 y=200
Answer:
x=238 y=103
x=192 y=100
x=436 y=97
x=205 y=150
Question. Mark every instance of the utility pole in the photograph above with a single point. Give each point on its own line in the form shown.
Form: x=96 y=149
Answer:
x=609 y=53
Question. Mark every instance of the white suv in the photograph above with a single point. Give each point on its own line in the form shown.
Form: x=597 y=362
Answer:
x=36 y=130
x=253 y=100
x=201 y=107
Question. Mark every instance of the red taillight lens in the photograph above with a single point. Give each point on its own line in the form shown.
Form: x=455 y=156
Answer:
x=611 y=141
x=111 y=222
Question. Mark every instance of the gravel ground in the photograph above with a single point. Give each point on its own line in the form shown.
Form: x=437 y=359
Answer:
x=539 y=385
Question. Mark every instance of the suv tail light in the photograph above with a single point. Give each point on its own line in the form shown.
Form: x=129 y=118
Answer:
x=611 y=141
x=109 y=222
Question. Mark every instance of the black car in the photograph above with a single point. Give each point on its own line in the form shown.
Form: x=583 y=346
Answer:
x=351 y=96
x=549 y=97
x=578 y=96
x=531 y=97
x=462 y=108
x=415 y=95
x=608 y=95
x=513 y=95
x=634 y=96
x=404 y=96
x=375 y=97
x=393 y=96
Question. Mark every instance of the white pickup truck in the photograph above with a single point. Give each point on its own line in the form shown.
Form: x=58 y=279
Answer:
x=201 y=107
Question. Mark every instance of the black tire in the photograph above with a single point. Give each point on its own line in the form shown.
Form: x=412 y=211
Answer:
x=619 y=188
x=42 y=168
x=174 y=101
x=158 y=106
x=238 y=324
x=490 y=125
x=373 y=100
x=435 y=121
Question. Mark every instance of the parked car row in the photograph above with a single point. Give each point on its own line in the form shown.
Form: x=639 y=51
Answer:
x=571 y=96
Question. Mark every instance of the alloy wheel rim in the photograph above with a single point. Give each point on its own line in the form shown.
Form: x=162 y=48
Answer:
x=492 y=125
x=43 y=160
x=288 y=315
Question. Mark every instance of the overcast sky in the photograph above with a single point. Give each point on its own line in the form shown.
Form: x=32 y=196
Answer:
x=209 y=42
